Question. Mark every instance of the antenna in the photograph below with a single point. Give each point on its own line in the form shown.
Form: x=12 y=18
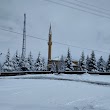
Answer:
x=24 y=39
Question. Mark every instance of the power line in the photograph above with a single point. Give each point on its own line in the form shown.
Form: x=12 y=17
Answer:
x=57 y=3
x=92 y=5
x=21 y=34
x=53 y=41
x=80 y=47
x=79 y=5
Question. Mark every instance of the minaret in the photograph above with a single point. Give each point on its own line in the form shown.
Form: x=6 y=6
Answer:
x=24 y=39
x=50 y=45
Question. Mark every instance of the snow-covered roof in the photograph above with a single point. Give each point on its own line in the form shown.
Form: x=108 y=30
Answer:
x=59 y=58
x=73 y=64
x=56 y=58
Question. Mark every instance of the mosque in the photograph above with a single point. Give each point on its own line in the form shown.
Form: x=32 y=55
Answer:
x=50 y=60
x=56 y=61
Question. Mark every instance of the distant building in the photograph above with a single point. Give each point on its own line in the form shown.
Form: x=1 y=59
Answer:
x=56 y=60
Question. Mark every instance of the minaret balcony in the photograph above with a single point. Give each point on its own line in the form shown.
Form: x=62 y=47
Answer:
x=49 y=43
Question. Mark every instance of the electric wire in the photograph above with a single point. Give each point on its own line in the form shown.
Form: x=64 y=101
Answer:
x=81 y=6
x=54 y=41
x=87 y=4
x=79 y=9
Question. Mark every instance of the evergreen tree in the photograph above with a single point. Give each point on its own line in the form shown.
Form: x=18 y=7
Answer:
x=87 y=63
x=68 y=62
x=101 y=65
x=108 y=65
x=8 y=65
x=44 y=66
x=30 y=62
x=61 y=66
x=0 y=63
x=79 y=65
x=0 y=67
x=82 y=62
x=38 y=64
x=24 y=66
x=92 y=63
x=53 y=67
x=16 y=62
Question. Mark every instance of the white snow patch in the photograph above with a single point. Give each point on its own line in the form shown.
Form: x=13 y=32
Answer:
x=33 y=94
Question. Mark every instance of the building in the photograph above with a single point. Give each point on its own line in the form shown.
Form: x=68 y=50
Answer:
x=55 y=61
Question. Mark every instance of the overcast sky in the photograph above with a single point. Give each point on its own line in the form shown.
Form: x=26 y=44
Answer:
x=69 y=26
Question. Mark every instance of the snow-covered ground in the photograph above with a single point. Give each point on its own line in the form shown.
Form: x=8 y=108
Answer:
x=55 y=92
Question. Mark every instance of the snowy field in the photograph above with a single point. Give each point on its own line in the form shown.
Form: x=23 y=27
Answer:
x=55 y=92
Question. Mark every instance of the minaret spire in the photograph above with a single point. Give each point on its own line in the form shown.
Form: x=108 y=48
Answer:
x=50 y=44
x=50 y=30
x=24 y=39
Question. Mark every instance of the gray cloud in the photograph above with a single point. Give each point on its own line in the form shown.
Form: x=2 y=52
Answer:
x=68 y=26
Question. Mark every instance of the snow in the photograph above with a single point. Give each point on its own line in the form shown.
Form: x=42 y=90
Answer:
x=57 y=58
x=51 y=92
x=74 y=77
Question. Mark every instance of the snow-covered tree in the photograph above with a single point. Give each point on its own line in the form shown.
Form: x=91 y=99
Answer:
x=30 y=62
x=68 y=62
x=61 y=65
x=53 y=67
x=87 y=63
x=16 y=62
x=44 y=66
x=24 y=65
x=108 y=65
x=92 y=63
x=0 y=63
x=82 y=62
x=101 y=65
x=0 y=67
x=8 y=65
x=38 y=64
